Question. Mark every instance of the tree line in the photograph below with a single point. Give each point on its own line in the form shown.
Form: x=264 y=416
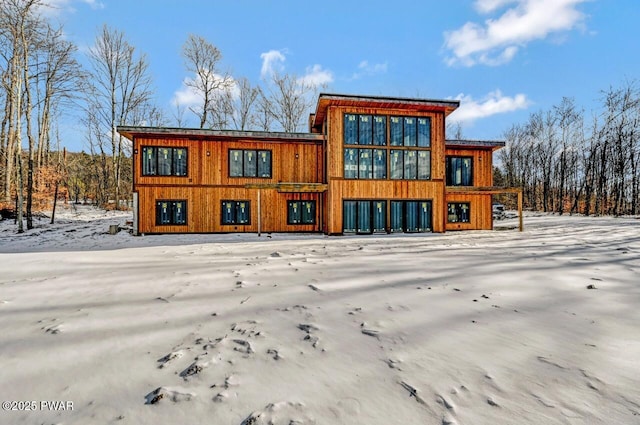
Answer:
x=567 y=162
x=42 y=80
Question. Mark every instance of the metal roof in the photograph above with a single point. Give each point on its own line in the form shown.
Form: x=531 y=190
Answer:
x=494 y=144
x=132 y=131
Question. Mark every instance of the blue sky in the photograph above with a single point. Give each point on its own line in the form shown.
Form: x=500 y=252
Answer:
x=502 y=58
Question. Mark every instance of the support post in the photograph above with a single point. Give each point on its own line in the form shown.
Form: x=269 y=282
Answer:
x=259 y=211
x=520 y=210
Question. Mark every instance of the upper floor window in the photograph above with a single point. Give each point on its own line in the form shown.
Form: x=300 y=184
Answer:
x=249 y=163
x=365 y=130
x=459 y=171
x=164 y=161
x=301 y=212
x=171 y=212
x=410 y=164
x=365 y=164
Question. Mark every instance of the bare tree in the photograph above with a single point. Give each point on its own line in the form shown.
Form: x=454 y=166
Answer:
x=119 y=87
x=290 y=99
x=245 y=104
x=209 y=83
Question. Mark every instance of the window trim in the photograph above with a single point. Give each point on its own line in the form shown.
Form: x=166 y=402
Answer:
x=156 y=159
x=242 y=166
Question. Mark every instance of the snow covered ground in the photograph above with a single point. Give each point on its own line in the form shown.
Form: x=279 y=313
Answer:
x=459 y=328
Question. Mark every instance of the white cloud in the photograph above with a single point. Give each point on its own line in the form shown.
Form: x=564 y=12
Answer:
x=494 y=103
x=272 y=61
x=487 y=6
x=497 y=40
x=316 y=76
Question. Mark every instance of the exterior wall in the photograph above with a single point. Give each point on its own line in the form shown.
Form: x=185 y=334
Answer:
x=208 y=183
x=353 y=189
x=204 y=210
x=481 y=215
x=481 y=204
x=482 y=164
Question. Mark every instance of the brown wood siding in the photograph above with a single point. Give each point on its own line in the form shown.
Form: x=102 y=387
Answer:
x=340 y=190
x=481 y=213
x=482 y=164
x=204 y=206
x=209 y=162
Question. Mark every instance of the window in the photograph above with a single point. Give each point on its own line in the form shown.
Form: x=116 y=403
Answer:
x=424 y=132
x=365 y=134
x=410 y=216
x=370 y=216
x=458 y=212
x=301 y=212
x=350 y=129
x=379 y=164
x=459 y=171
x=396 y=131
x=424 y=165
x=164 y=161
x=171 y=213
x=411 y=161
x=249 y=163
x=379 y=131
x=365 y=130
x=364 y=216
x=365 y=164
x=410 y=134
x=236 y=212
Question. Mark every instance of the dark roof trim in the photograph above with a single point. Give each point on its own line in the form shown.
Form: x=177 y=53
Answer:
x=387 y=99
x=131 y=131
x=495 y=144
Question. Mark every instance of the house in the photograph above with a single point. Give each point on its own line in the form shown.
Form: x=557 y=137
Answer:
x=368 y=164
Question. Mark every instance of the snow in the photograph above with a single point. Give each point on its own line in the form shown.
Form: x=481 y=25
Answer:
x=485 y=327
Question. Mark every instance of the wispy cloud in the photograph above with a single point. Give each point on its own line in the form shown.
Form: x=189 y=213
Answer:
x=316 y=76
x=272 y=61
x=492 y=104
x=497 y=40
x=58 y=7
x=367 y=69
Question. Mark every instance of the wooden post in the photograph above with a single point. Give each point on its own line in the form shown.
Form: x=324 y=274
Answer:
x=520 y=210
x=259 y=211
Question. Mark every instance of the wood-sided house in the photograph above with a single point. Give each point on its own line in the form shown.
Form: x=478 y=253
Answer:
x=368 y=165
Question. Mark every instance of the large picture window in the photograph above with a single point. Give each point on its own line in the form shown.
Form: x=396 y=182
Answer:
x=459 y=171
x=410 y=160
x=370 y=216
x=236 y=212
x=301 y=212
x=458 y=212
x=249 y=163
x=164 y=161
x=171 y=212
